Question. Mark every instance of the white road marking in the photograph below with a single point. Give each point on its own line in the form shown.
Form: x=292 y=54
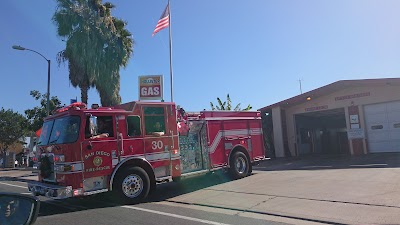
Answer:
x=251 y=215
x=173 y=215
x=305 y=167
x=369 y=165
x=13 y=185
x=26 y=193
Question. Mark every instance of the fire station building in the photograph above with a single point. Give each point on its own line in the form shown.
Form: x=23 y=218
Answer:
x=352 y=117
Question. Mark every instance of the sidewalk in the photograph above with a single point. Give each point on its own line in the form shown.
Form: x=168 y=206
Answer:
x=17 y=168
x=17 y=174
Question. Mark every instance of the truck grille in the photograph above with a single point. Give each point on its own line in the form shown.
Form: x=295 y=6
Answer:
x=46 y=167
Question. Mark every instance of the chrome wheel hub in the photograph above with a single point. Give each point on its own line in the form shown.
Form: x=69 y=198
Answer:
x=132 y=186
x=240 y=165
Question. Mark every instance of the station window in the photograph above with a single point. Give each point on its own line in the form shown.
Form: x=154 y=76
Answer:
x=133 y=126
x=154 y=120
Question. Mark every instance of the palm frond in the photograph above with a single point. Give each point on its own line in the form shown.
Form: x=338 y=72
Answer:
x=97 y=46
x=229 y=102
x=221 y=104
x=249 y=107
x=237 y=108
x=212 y=106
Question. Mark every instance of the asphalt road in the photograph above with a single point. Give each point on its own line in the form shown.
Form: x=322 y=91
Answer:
x=312 y=190
x=157 y=210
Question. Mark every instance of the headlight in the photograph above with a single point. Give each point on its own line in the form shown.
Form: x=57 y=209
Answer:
x=59 y=168
x=59 y=158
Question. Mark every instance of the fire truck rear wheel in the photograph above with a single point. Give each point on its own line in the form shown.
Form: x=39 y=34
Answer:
x=132 y=185
x=239 y=165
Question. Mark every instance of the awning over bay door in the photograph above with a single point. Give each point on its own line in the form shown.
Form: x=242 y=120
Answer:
x=383 y=127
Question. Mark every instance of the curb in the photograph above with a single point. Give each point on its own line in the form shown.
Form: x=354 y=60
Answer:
x=15 y=179
x=16 y=169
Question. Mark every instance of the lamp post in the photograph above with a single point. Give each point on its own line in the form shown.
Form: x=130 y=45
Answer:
x=17 y=47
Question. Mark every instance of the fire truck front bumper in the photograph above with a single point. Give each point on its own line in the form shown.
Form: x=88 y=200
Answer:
x=50 y=190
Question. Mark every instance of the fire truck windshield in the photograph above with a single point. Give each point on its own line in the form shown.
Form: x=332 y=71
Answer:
x=60 y=131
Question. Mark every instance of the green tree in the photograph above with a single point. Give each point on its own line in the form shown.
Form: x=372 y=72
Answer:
x=36 y=115
x=97 y=46
x=227 y=105
x=12 y=128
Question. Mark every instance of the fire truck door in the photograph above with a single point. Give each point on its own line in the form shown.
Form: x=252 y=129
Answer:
x=133 y=137
x=98 y=153
x=158 y=139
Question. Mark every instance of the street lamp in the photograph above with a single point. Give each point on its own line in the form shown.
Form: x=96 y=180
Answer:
x=17 y=47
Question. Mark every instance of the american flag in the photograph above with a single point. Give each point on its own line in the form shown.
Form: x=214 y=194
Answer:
x=163 y=22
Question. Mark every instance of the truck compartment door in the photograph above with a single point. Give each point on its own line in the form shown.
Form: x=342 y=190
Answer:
x=193 y=150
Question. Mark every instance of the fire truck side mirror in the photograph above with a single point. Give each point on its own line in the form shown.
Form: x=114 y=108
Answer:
x=93 y=125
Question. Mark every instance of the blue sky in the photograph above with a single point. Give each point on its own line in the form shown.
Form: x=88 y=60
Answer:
x=254 y=50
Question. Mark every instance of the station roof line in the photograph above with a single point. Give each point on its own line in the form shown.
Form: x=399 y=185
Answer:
x=330 y=88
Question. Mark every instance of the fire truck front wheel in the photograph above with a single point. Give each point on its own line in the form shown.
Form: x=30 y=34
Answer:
x=131 y=185
x=239 y=165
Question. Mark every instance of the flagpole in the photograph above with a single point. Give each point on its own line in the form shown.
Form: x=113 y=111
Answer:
x=170 y=54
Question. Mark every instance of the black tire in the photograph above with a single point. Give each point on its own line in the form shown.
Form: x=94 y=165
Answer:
x=239 y=165
x=123 y=189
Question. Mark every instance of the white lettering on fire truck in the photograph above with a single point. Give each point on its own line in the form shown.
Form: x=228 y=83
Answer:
x=97 y=169
x=102 y=153
x=156 y=145
x=97 y=153
x=89 y=155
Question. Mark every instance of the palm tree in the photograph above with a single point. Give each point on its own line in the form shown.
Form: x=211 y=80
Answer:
x=116 y=55
x=97 y=46
x=77 y=75
x=227 y=105
x=74 y=20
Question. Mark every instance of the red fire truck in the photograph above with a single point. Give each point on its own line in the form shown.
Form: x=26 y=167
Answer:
x=128 y=148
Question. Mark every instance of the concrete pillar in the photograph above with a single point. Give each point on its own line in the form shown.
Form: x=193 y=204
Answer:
x=358 y=143
x=346 y=112
x=278 y=135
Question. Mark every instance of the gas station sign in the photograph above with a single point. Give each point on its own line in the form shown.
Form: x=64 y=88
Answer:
x=151 y=87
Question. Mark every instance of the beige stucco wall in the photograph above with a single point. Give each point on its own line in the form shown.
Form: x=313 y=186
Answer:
x=278 y=137
x=377 y=94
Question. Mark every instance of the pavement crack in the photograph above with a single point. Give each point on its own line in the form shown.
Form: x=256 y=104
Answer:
x=257 y=212
x=310 y=199
x=250 y=209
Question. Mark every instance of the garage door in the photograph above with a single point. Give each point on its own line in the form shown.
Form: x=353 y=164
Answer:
x=383 y=127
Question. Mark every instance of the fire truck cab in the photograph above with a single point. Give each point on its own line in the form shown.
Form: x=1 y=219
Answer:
x=130 y=147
